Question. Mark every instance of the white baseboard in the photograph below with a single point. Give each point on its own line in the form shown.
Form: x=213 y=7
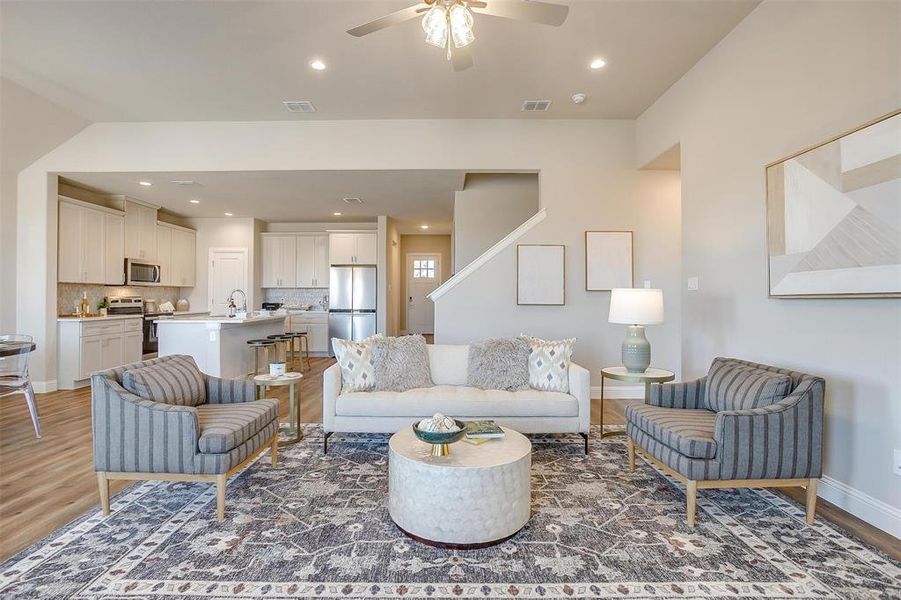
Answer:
x=44 y=387
x=863 y=506
x=618 y=392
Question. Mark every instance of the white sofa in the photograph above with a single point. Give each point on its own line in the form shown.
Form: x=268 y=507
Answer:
x=527 y=411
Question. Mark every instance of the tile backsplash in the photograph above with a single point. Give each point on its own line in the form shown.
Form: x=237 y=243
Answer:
x=68 y=295
x=297 y=296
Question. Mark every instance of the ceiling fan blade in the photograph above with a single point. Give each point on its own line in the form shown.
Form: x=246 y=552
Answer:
x=525 y=10
x=476 y=3
x=388 y=20
x=461 y=59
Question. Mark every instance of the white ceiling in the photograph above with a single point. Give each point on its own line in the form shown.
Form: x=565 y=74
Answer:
x=168 y=61
x=412 y=197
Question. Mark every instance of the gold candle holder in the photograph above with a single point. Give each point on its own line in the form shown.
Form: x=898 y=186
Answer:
x=440 y=449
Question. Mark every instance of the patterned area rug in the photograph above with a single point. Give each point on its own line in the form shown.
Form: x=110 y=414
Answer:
x=318 y=526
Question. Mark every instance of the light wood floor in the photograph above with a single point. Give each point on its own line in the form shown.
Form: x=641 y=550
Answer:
x=46 y=483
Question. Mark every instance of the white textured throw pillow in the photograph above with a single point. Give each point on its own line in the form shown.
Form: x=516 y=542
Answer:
x=549 y=364
x=355 y=359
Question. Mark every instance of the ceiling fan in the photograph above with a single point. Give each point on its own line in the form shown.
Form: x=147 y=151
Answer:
x=448 y=23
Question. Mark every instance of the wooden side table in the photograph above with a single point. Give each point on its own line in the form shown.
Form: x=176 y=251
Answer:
x=288 y=379
x=650 y=376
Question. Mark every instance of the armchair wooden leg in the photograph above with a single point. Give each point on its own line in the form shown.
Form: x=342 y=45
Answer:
x=221 y=480
x=630 y=445
x=273 y=453
x=103 y=484
x=691 y=501
x=811 y=500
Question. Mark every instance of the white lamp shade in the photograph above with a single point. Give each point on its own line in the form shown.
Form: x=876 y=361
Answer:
x=636 y=306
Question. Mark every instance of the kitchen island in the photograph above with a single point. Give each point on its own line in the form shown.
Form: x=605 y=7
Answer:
x=217 y=343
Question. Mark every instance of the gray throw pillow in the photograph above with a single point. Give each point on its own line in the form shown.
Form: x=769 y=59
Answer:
x=175 y=381
x=499 y=364
x=401 y=363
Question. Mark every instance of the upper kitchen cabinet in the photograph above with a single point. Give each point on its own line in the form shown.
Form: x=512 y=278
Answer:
x=90 y=248
x=176 y=254
x=353 y=248
x=312 y=261
x=279 y=260
x=140 y=231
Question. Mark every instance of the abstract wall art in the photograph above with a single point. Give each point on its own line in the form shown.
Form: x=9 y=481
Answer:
x=834 y=216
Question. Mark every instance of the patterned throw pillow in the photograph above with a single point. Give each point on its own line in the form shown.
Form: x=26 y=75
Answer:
x=549 y=363
x=175 y=381
x=355 y=359
x=735 y=386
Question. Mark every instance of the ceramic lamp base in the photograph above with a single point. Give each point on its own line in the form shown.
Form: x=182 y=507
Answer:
x=440 y=449
x=636 y=350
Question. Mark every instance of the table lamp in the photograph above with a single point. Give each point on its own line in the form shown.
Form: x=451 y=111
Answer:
x=636 y=307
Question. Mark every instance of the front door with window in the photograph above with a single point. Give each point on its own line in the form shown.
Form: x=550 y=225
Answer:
x=423 y=276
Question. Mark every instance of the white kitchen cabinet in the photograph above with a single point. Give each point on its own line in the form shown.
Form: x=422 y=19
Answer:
x=89 y=244
x=312 y=261
x=353 y=248
x=140 y=231
x=317 y=335
x=114 y=249
x=315 y=323
x=279 y=261
x=164 y=254
x=85 y=346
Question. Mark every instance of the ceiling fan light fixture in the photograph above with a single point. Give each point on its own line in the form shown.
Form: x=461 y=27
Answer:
x=461 y=25
x=434 y=23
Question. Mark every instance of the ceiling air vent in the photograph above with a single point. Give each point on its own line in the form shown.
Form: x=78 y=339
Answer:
x=299 y=106
x=185 y=182
x=536 y=105
x=353 y=200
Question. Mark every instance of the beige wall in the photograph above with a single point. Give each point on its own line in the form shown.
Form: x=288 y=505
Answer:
x=395 y=295
x=225 y=233
x=490 y=206
x=29 y=127
x=421 y=244
x=791 y=75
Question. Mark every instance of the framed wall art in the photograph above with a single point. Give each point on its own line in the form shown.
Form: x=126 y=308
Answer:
x=608 y=260
x=540 y=274
x=834 y=216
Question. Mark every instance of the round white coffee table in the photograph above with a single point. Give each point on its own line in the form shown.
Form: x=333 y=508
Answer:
x=475 y=497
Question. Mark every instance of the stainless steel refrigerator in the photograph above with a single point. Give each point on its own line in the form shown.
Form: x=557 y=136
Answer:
x=352 y=303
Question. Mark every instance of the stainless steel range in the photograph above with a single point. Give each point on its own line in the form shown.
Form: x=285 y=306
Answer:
x=134 y=305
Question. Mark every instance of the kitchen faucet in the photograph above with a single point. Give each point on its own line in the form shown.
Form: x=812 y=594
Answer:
x=231 y=300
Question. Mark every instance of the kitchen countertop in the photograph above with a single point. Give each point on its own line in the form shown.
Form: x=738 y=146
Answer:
x=98 y=318
x=220 y=319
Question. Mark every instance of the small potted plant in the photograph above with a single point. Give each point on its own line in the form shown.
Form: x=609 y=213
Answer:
x=102 y=307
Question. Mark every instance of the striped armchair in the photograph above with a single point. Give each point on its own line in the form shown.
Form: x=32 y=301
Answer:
x=742 y=425
x=163 y=419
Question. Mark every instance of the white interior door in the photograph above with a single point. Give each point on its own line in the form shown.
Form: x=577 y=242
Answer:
x=228 y=271
x=423 y=276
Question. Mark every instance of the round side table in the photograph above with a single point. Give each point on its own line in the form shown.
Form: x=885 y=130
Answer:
x=650 y=376
x=288 y=379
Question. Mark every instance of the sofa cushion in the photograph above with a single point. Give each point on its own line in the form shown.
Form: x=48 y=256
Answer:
x=549 y=363
x=733 y=385
x=175 y=381
x=458 y=402
x=688 y=431
x=448 y=363
x=224 y=427
x=499 y=364
x=355 y=360
x=401 y=363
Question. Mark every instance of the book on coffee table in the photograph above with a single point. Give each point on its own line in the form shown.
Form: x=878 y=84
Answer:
x=483 y=430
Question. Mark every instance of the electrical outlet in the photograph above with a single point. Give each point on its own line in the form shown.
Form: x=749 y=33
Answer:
x=647 y=283
x=896 y=467
x=693 y=283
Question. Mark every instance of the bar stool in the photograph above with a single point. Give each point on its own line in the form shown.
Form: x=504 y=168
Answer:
x=302 y=348
x=255 y=347
x=283 y=344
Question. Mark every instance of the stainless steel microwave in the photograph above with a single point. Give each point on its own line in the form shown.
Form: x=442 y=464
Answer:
x=141 y=273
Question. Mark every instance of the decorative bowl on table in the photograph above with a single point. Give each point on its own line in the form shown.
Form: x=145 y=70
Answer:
x=440 y=432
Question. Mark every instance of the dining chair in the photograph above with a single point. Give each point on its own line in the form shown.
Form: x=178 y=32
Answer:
x=14 y=379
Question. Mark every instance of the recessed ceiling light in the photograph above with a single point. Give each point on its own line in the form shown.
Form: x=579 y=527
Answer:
x=145 y=183
x=228 y=214
x=597 y=63
x=337 y=214
x=423 y=226
x=194 y=201
x=318 y=65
